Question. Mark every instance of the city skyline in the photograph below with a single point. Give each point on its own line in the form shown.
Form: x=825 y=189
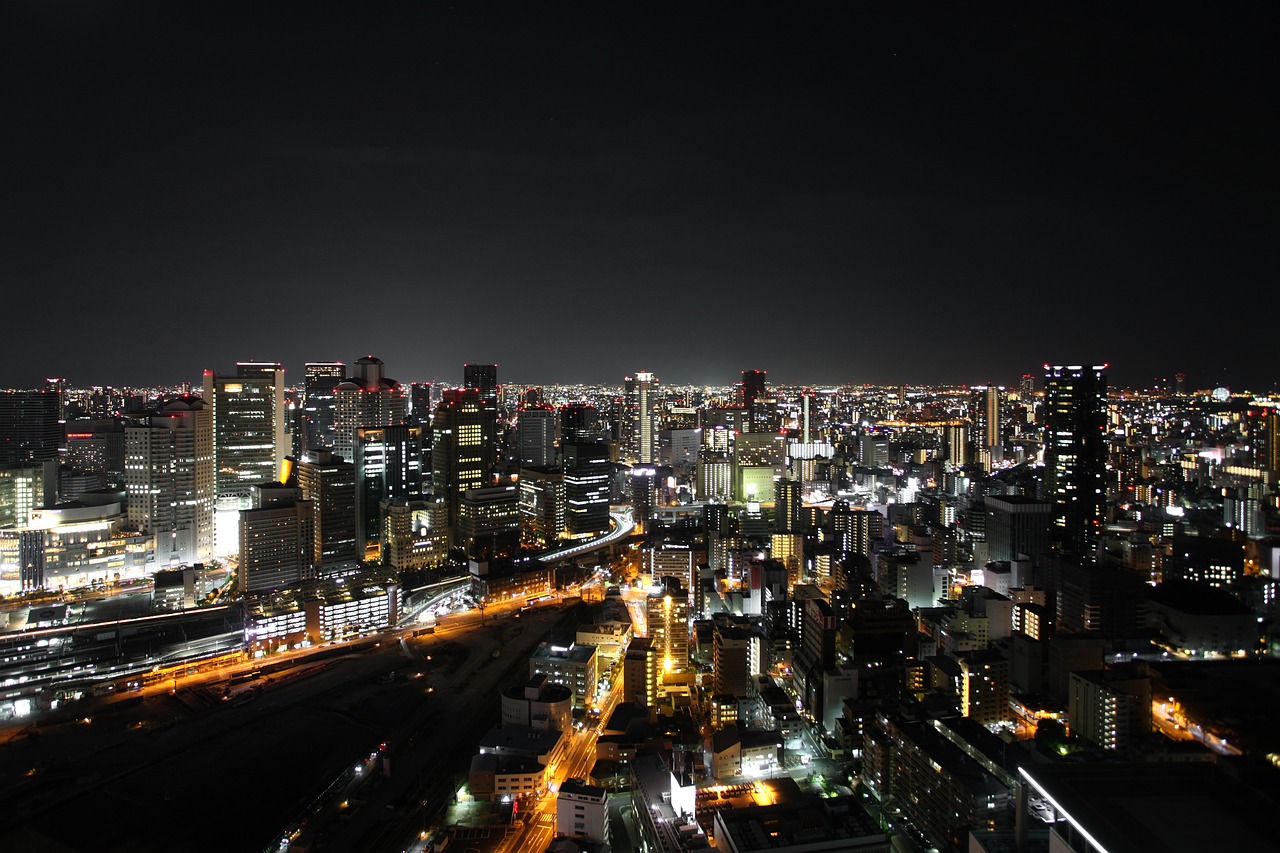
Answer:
x=946 y=199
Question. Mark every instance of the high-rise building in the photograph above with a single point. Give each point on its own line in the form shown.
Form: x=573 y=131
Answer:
x=248 y=431
x=957 y=444
x=461 y=450
x=985 y=410
x=579 y=423
x=586 y=488
x=329 y=482
x=1027 y=388
x=642 y=409
x=786 y=506
x=483 y=378
x=730 y=656
x=277 y=544
x=1017 y=525
x=1075 y=454
x=29 y=427
x=388 y=466
x=420 y=403
x=537 y=436
x=641 y=673
x=169 y=480
x=542 y=507
x=319 y=406
x=751 y=390
x=367 y=398
x=667 y=617
x=24 y=489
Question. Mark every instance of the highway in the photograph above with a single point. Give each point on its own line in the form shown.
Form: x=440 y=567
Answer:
x=623 y=524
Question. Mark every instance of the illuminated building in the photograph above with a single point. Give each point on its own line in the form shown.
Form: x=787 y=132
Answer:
x=715 y=476
x=739 y=752
x=751 y=391
x=574 y=667
x=29 y=426
x=1075 y=453
x=388 y=466
x=957 y=444
x=985 y=410
x=679 y=560
x=248 y=431
x=817 y=652
x=169 y=480
x=582 y=811
x=413 y=535
x=74 y=544
x=641 y=673
x=667 y=617
x=489 y=521
x=1108 y=707
x=460 y=451
x=277 y=539
x=536 y=436
x=483 y=379
x=641 y=405
x=786 y=506
x=579 y=424
x=319 y=406
x=24 y=489
x=325 y=610
x=329 y=482
x=420 y=403
x=586 y=488
x=542 y=507
x=365 y=399
x=540 y=702
x=984 y=686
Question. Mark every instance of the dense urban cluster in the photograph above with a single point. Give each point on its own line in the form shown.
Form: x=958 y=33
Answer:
x=804 y=618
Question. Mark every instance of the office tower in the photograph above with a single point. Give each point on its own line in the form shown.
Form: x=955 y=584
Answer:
x=29 y=428
x=750 y=391
x=714 y=476
x=1271 y=440
x=420 y=403
x=414 y=535
x=542 y=507
x=536 y=435
x=169 y=480
x=24 y=489
x=667 y=612
x=482 y=378
x=248 y=431
x=59 y=388
x=579 y=423
x=817 y=652
x=984 y=686
x=985 y=408
x=1075 y=454
x=329 y=482
x=957 y=444
x=1017 y=525
x=319 y=405
x=873 y=450
x=786 y=506
x=489 y=521
x=642 y=409
x=1027 y=388
x=460 y=448
x=1180 y=384
x=277 y=543
x=388 y=466
x=96 y=446
x=808 y=414
x=586 y=488
x=367 y=398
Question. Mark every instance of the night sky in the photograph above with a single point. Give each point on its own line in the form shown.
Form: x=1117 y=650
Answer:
x=582 y=191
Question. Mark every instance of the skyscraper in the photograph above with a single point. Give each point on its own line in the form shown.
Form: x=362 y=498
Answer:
x=388 y=466
x=642 y=409
x=329 y=482
x=420 y=402
x=586 y=488
x=169 y=480
x=29 y=429
x=318 y=403
x=1075 y=453
x=276 y=539
x=248 y=429
x=786 y=506
x=368 y=398
x=537 y=435
x=483 y=378
x=461 y=449
x=579 y=422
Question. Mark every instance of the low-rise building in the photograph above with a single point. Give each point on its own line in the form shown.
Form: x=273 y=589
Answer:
x=574 y=667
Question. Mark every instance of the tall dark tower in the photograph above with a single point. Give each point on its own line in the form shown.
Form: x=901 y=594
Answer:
x=786 y=506
x=1075 y=455
x=579 y=423
x=483 y=378
x=318 y=406
x=29 y=429
x=461 y=450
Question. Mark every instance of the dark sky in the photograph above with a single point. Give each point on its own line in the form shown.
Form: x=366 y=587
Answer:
x=581 y=191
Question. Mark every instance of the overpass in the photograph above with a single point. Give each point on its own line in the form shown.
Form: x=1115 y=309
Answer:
x=623 y=524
